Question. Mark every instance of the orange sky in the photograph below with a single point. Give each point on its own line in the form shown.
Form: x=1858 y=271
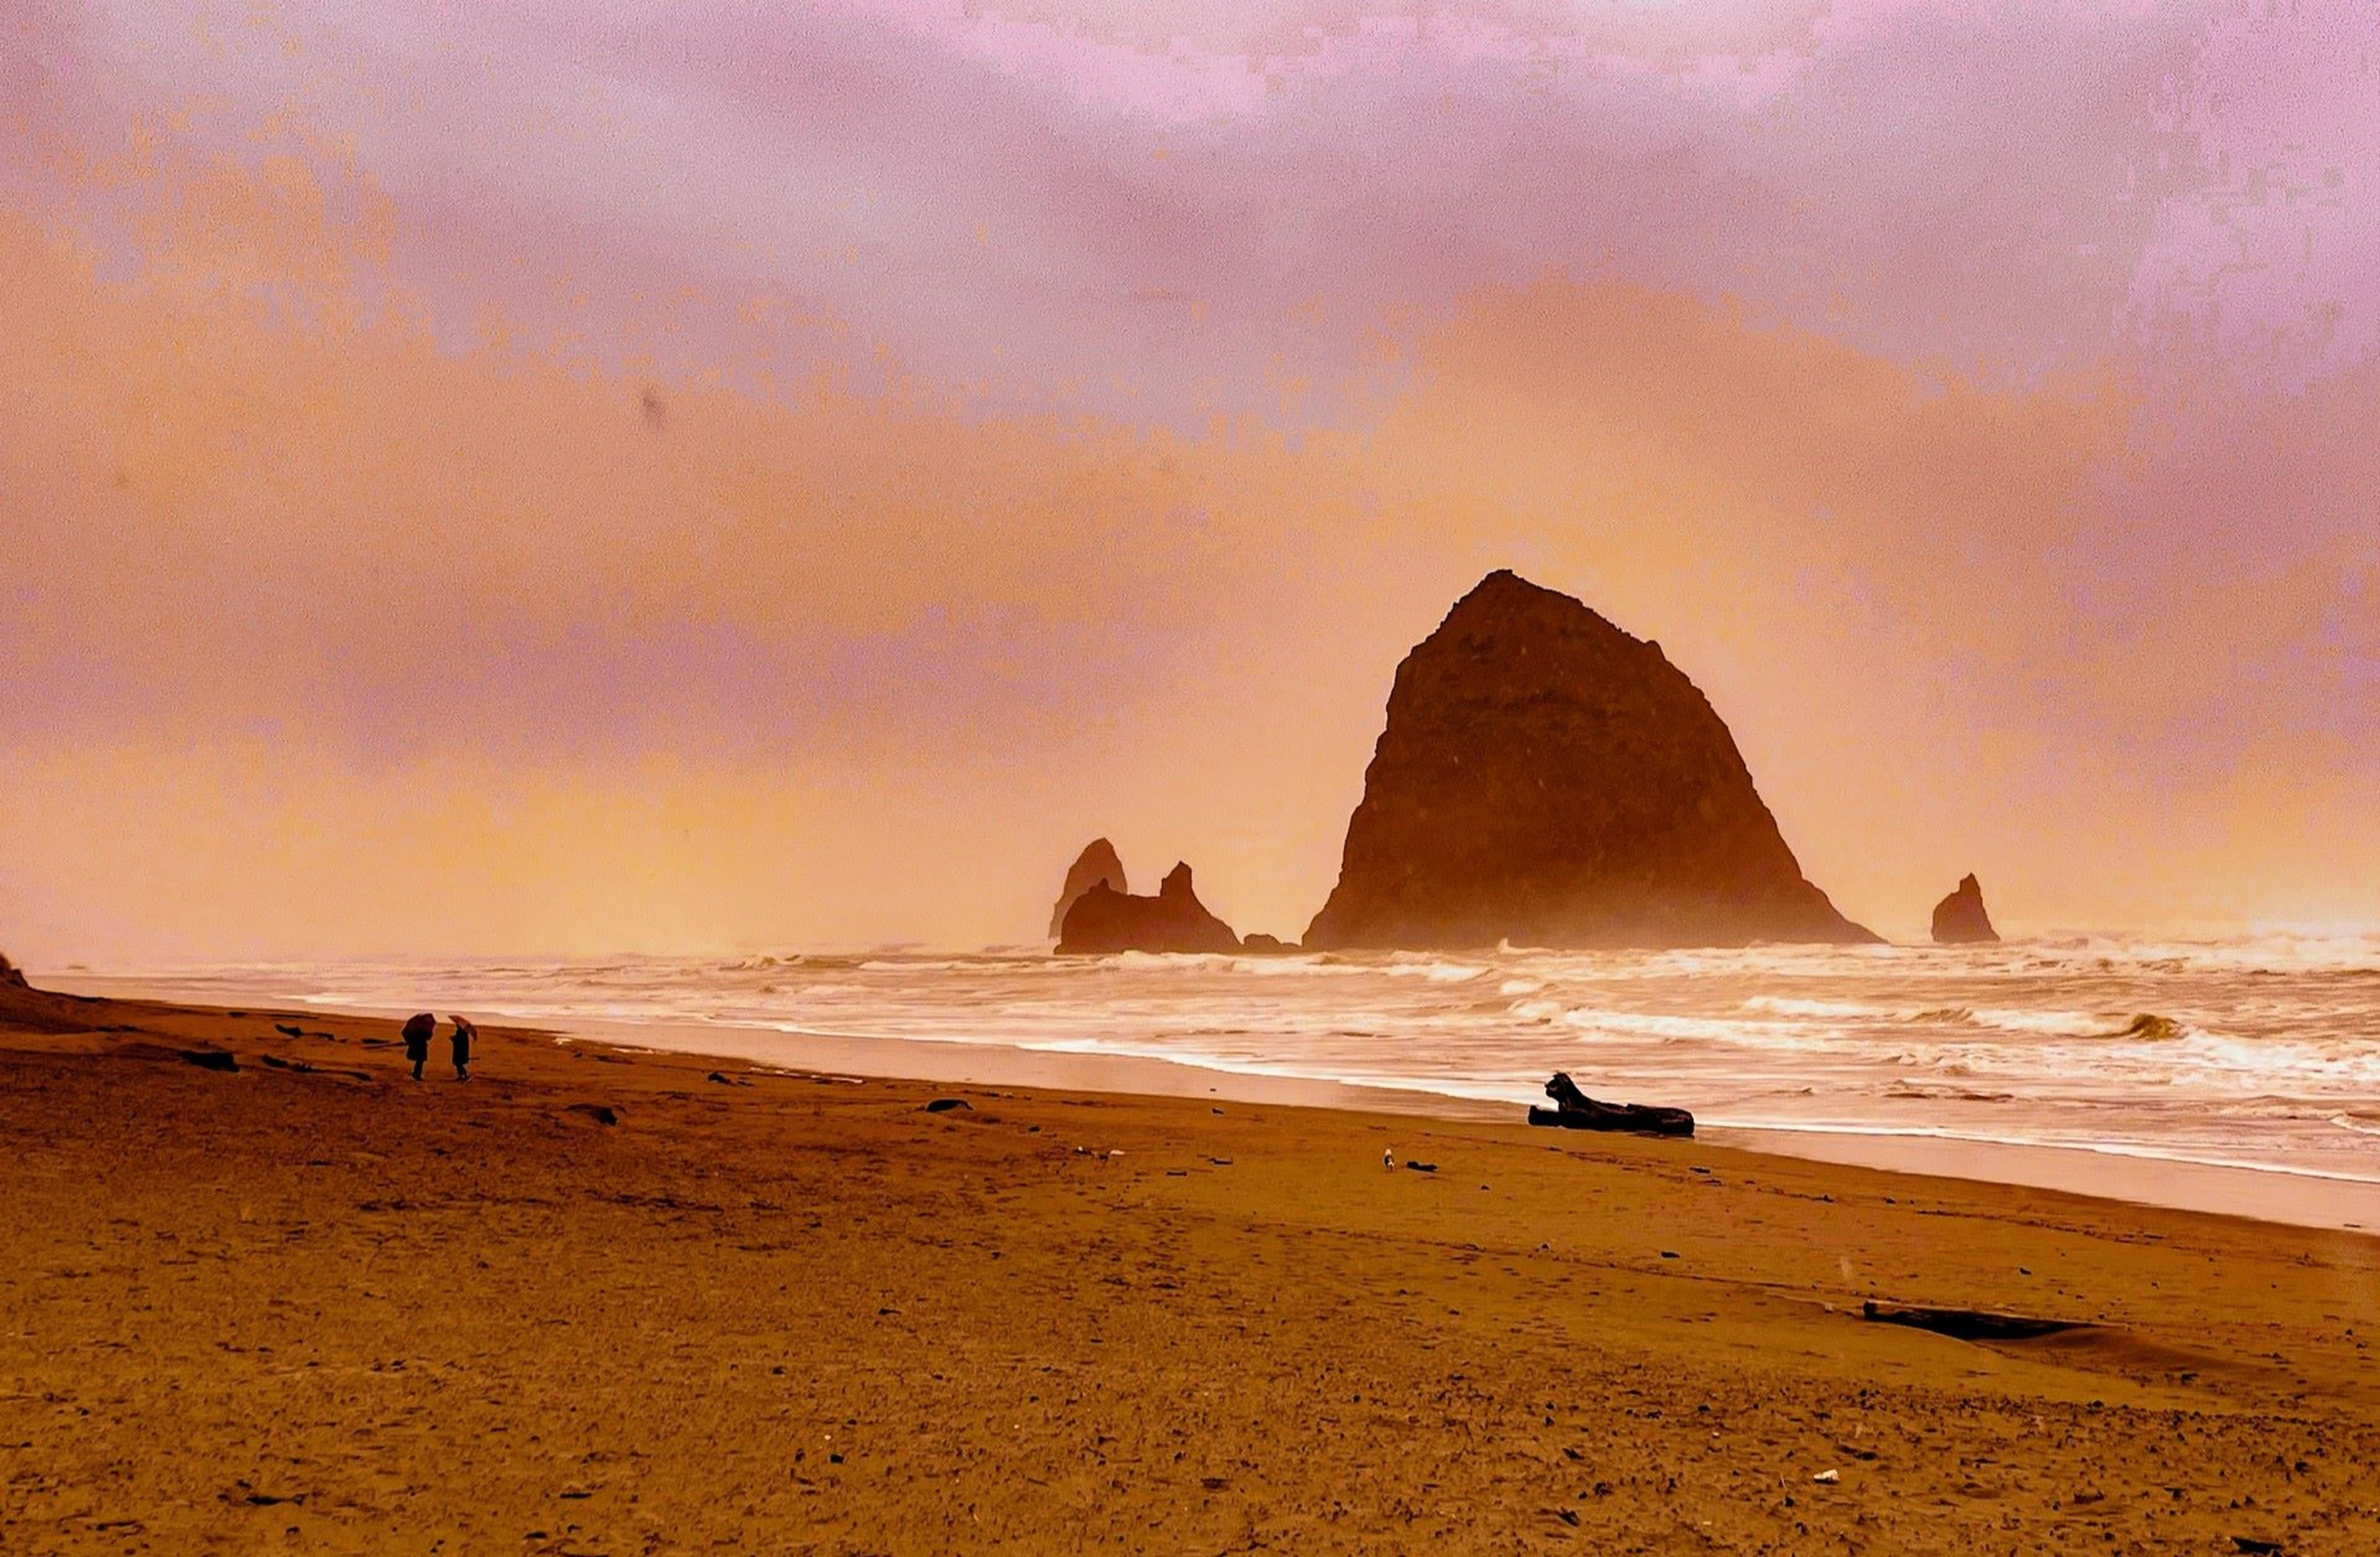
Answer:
x=413 y=545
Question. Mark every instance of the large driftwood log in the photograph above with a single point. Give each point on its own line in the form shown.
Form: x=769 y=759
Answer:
x=1573 y=1110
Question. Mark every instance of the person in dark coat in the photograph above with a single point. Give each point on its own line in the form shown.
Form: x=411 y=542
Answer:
x=418 y=1029
x=465 y=1036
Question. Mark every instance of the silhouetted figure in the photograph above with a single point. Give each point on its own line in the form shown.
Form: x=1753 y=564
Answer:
x=465 y=1036
x=418 y=1029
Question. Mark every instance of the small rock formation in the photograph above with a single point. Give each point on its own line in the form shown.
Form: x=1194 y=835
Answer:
x=1545 y=779
x=1573 y=1110
x=1104 y=920
x=10 y=975
x=1257 y=943
x=1096 y=863
x=1959 y=920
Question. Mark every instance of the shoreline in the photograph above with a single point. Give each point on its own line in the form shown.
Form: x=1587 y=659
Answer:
x=2269 y=1194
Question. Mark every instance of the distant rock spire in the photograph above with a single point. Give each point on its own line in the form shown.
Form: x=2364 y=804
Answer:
x=1096 y=863
x=1959 y=920
x=1104 y=920
x=1545 y=779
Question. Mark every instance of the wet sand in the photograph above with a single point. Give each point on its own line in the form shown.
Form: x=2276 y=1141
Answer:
x=331 y=1309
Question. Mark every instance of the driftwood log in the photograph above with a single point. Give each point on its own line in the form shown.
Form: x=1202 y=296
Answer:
x=1573 y=1110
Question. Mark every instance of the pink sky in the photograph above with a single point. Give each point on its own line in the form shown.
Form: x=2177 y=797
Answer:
x=1061 y=417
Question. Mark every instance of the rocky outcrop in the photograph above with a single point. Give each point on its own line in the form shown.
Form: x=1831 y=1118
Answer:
x=1959 y=920
x=1096 y=863
x=1545 y=779
x=9 y=977
x=1104 y=920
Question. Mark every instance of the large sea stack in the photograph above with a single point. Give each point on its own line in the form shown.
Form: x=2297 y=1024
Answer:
x=1096 y=863
x=1959 y=920
x=1545 y=779
x=1104 y=920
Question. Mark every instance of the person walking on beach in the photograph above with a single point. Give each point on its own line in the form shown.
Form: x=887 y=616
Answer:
x=465 y=1036
x=418 y=1029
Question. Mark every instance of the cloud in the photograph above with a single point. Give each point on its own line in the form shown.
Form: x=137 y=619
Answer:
x=979 y=194
x=1064 y=430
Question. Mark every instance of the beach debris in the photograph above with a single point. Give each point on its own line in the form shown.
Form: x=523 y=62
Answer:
x=1573 y=1110
x=209 y=1059
x=715 y=1076
x=602 y=1113
x=2255 y=1544
x=1388 y=1158
x=1967 y=1324
x=277 y=1062
x=1421 y=1167
x=1220 y=1161
x=1669 y=1254
x=1827 y=1477
x=943 y=1105
x=291 y=1028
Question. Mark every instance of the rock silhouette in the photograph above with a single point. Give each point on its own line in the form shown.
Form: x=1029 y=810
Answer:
x=9 y=976
x=1959 y=920
x=1545 y=778
x=1104 y=920
x=1096 y=863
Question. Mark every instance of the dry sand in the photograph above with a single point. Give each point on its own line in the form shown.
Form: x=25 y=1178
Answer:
x=312 y=1310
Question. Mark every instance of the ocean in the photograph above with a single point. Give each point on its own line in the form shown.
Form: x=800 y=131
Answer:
x=2260 y=1052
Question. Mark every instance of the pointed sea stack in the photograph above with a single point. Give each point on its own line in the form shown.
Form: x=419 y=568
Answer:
x=1546 y=779
x=1959 y=920
x=9 y=977
x=1104 y=920
x=1096 y=863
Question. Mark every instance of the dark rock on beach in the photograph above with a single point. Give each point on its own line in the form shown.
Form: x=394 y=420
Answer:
x=9 y=976
x=1545 y=779
x=1959 y=920
x=1105 y=920
x=1096 y=863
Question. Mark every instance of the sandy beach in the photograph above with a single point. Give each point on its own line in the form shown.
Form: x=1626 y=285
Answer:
x=310 y=1305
